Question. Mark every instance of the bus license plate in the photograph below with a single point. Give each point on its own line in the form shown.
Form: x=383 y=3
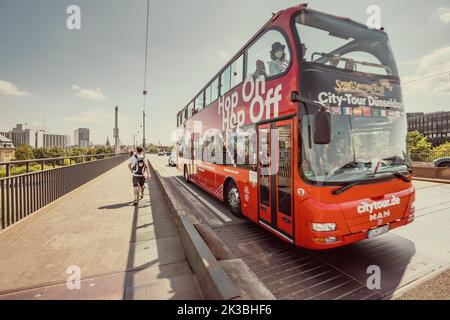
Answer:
x=378 y=231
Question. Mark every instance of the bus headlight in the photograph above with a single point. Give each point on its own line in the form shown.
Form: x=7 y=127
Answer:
x=324 y=227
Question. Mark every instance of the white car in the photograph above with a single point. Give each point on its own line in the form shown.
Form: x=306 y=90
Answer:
x=173 y=159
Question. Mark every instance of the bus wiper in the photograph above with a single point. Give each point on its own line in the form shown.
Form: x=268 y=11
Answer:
x=400 y=176
x=346 y=187
x=355 y=183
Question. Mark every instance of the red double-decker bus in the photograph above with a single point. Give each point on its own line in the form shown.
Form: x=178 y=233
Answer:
x=304 y=132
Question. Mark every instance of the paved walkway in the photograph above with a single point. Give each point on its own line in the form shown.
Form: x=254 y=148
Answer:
x=123 y=252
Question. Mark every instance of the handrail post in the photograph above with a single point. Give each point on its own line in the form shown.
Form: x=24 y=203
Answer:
x=7 y=170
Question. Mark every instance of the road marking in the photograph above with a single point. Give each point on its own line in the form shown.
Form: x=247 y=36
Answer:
x=204 y=201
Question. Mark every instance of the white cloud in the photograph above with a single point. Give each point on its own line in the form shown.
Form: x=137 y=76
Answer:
x=95 y=94
x=443 y=14
x=11 y=89
x=425 y=80
x=95 y=117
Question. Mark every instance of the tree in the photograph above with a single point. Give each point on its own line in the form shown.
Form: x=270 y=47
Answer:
x=110 y=149
x=24 y=152
x=41 y=153
x=442 y=151
x=55 y=152
x=152 y=148
x=418 y=146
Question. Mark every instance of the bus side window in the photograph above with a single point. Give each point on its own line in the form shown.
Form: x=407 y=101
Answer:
x=199 y=102
x=225 y=81
x=190 y=110
x=269 y=56
x=237 y=71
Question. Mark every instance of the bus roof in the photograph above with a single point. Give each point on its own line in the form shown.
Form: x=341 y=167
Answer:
x=276 y=15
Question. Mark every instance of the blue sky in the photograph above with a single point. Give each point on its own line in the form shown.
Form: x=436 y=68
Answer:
x=68 y=79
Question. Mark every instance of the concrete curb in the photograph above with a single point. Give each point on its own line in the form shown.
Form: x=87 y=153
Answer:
x=431 y=180
x=415 y=283
x=212 y=278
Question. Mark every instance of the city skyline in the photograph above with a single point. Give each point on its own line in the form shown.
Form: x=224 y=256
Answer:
x=71 y=78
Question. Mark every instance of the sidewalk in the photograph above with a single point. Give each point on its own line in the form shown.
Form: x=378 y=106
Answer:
x=123 y=252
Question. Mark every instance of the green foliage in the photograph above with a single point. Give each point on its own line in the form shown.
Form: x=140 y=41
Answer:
x=442 y=151
x=15 y=170
x=41 y=153
x=443 y=148
x=418 y=146
x=152 y=148
x=56 y=152
x=24 y=152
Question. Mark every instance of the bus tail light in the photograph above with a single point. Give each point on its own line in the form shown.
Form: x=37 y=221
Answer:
x=324 y=227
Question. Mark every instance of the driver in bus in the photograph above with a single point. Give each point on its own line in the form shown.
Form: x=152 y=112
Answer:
x=278 y=63
x=334 y=60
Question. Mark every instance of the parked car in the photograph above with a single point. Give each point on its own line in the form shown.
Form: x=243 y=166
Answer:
x=160 y=153
x=442 y=163
x=173 y=159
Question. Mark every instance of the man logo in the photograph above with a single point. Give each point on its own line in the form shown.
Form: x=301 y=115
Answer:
x=379 y=215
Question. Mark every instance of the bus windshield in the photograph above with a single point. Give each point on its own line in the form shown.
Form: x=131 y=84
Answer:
x=343 y=44
x=358 y=144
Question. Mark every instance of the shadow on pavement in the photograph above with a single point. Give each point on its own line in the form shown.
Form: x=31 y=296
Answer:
x=116 y=206
x=157 y=268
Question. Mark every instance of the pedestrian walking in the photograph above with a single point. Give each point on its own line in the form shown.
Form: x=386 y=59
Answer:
x=138 y=165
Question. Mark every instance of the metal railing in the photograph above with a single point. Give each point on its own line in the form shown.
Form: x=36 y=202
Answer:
x=428 y=156
x=23 y=194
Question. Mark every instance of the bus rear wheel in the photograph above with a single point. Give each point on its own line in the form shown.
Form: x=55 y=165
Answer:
x=233 y=199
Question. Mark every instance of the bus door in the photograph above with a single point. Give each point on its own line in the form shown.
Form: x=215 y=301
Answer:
x=275 y=157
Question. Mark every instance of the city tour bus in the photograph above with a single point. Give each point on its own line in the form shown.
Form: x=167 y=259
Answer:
x=304 y=132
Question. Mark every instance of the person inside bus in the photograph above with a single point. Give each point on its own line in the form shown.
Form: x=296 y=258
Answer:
x=334 y=61
x=350 y=65
x=278 y=61
x=303 y=50
x=260 y=69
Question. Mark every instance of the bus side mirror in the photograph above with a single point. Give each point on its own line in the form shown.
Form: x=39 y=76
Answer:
x=322 y=127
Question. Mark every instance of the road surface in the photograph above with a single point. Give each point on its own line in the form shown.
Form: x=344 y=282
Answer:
x=405 y=255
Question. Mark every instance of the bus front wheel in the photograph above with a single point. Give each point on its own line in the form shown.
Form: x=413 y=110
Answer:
x=233 y=199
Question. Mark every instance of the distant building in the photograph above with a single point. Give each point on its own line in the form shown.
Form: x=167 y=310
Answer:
x=435 y=126
x=81 y=138
x=56 y=140
x=7 y=149
x=21 y=135
x=107 y=143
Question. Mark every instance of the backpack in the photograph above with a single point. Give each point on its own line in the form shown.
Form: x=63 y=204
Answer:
x=139 y=167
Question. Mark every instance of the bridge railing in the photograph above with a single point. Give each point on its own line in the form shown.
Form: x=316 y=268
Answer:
x=23 y=194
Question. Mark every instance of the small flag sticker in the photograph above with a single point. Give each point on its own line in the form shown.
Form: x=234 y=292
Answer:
x=336 y=110
x=357 y=111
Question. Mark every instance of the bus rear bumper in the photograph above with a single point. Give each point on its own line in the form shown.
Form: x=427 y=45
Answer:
x=322 y=242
